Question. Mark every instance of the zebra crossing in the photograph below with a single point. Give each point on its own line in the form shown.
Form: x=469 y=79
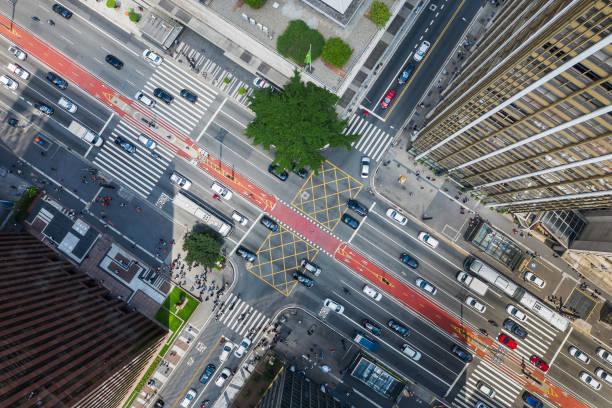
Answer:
x=506 y=389
x=141 y=170
x=373 y=142
x=540 y=336
x=241 y=317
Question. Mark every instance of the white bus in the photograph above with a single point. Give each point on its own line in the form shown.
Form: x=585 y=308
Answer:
x=207 y=217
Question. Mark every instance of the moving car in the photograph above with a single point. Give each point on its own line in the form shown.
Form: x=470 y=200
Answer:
x=604 y=355
x=189 y=397
x=579 y=355
x=590 y=381
x=481 y=404
x=246 y=254
x=17 y=52
x=402 y=330
x=159 y=403
x=57 y=80
x=406 y=74
x=163 y=95
x=62 y=11
x=539 y=363
x=507 y=341
x=149 y=143
x=227 y=349
x=516 y=313
x=225 y=374
x=190 y=96
x=261 y=83
x=208 y=372
x=420 y=53
x=44 y=108
x=394 y=215
x=303 y=279
x=114 y=61
x=534 y=280
x=269 y=224
x=330 y=304
x=9 y=82
x=144 y=99
x=180 y=180
x=18 y=70
x=357 y=207
x=531 y=400
x=152 y=57
x=310 y=267
x=387 y=99
x=371 y=292
x=485 y=389
x=470 y=301
x=67 y=104
x=462 y=353
x=128 y=147
x=410 y=352
x=350 y=221
x=426 y=286
x=221 y=190
x=514 y=327
x=244 y=345
x=281 y=175
x=607 y=377
x=428 y=239
x=365 y=166
x=372 y=328
x=239 y=218
x=408 y=260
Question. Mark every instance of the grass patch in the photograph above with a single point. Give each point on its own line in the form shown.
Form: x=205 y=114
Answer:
x=20 y=209
x=173 y=298
x=142 y=382
x=168 y=319
x=186 y=312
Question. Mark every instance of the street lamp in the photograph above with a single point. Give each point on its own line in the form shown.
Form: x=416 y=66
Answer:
x=12 y=3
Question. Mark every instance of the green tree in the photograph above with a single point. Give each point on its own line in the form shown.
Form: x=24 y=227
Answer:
x=21 y=206
x=134 y=17
x=111 y=4
x=298 y=39
x=298 y=122
x=379 y=13
x=255 y=3
x=203 y=246
x=336 y=52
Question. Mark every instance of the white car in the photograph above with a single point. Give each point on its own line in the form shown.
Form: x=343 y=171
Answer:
x=261 y=83
x=18 y=52
x=221 y=190
x=426 y=286
x=149 y=143
x=418 y=56
x=144 y=99
x=607 y=377
x=372 y=293
x=225 y=374
x=515 y=312
x=239 y=218
x=470 y=301
x=189 y=397
x=227 y=349
x=605 y=355
x=330 y=304
x=394 y=215
x=579 y=355
x=9 y=82
x=244 y=345
x=180 y=180
x=365 y=166
x=17 y=70
x=66 y=104
x=410 y=352
x=428 y=239
x=485 y=389
x=534 y=280
x=152 y=57
x=590 y=381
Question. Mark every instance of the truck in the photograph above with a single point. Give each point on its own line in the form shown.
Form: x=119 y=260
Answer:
x=83 y=133
x=365 y=342
x=476 y=285
x=198 y=208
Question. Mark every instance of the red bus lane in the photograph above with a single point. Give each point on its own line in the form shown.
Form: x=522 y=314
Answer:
x=184 y=147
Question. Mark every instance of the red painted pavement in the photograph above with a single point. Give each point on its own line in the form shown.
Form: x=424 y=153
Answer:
x=184 y=147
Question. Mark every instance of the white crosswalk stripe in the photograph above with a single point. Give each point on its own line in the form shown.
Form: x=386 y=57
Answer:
x=506 y=389
x=540 y=336
x=373 y=142
x=139 y=171
x=241 y=317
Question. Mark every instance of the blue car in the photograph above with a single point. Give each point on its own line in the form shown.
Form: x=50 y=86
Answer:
x=44 y=108
x=57 y=80
x=208 y=372
x=269 y=224
x=190 y=96
x=514 y=327
x=350 y=221
x=128 y=147
x=373 y=329
x=403 y=331
x=303 y=279
x=405 y=258
x=462 y=354
x=531 y=400
x=406 y=74
x=282 y=175
x=62 y=11
x=163 y=95
x=358 y=208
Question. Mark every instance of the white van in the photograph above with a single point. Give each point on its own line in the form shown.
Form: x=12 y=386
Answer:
x=144 y=99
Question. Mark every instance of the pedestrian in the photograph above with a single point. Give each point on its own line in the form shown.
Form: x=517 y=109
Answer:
x=138 y=209
x=53 y=169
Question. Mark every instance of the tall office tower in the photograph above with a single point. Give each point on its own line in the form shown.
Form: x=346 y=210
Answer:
x=64 y=341
x=527 y=121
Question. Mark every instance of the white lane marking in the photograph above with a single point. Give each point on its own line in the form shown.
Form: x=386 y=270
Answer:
x=552 y=360
x=212 y=118
x=456 y=379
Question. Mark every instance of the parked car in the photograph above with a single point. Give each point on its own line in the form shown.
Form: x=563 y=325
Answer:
x=179 y=180
x=590 y=381
x=604 y=355
x=387 y=99
x=208 y=372
x=62 y=11
x=239 y=218
x=145 y=140
x=470 y=301
x=507 y=341
x=532 y=400
x=539 y=363
x=394 y=215
x=534 y=280
x=462 y=353
x=18 y=70
x=221 y=190
x=420 y=53
x=303 y=279
x=330 y=304
x=371 y=327
x=151 y=56
x=406 y=74
x=428 y=239
x=350 y=221
x=578 y=354
x=426 y=286
x=269 y=224
x=281 y=175
x=67 y=104
x=225 y=374
x=127 y=146
x=607 y=377
x=44 y=108
x=301 y=172
x=17 y=52
x=189 y=397
x=408 y=260
x=228 y=346
x=114 y=61
x=246 y=254
x=371 y=292
x=515 y=328
x=365 y=166
x=144 y=99
x=261 y=83
x=402 y=330
x=310 y=267
x=190 y=96
x=9 y=82
x=516 y=313
x=357 y=207
x=57 y=80
x=163 y=95
x=244 y=345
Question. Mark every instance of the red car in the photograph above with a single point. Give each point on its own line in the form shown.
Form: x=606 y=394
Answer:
x=538 y=362
x=507 y=341
x=390 y=95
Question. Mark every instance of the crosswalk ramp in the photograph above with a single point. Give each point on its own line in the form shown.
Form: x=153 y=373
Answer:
x=140 y=171
x=539 y=338
x=373 y=142
x=242 y=318
x=181 y=114
x=506 y=389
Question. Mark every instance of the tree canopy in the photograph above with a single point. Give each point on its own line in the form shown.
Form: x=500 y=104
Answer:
x=297 y=123
x=203 y=247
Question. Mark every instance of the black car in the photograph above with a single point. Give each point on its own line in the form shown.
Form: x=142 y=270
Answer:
x=13 y=122
x=269 y=224
x=163 y=95
x=44 y=108
x=114 y=61
x=128 y=147
x=462 y=354
x=411 y=262
x=514 y=327
x=281 y=175
x=403 y=331
x=374 y=329
x=358 y=208
x=208 y=372
x=57 y=80
x=350 y=221
x=246 y=254
x=62 y=11
x=406 y=74
x=190 y=96
x=303 y=173
x=159 y=404
x=303 y=279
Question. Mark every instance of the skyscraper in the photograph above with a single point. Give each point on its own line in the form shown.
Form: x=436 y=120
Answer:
x=64 y=341
x=526 y=122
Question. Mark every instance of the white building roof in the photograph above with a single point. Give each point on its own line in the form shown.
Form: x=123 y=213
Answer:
x=340 y=5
